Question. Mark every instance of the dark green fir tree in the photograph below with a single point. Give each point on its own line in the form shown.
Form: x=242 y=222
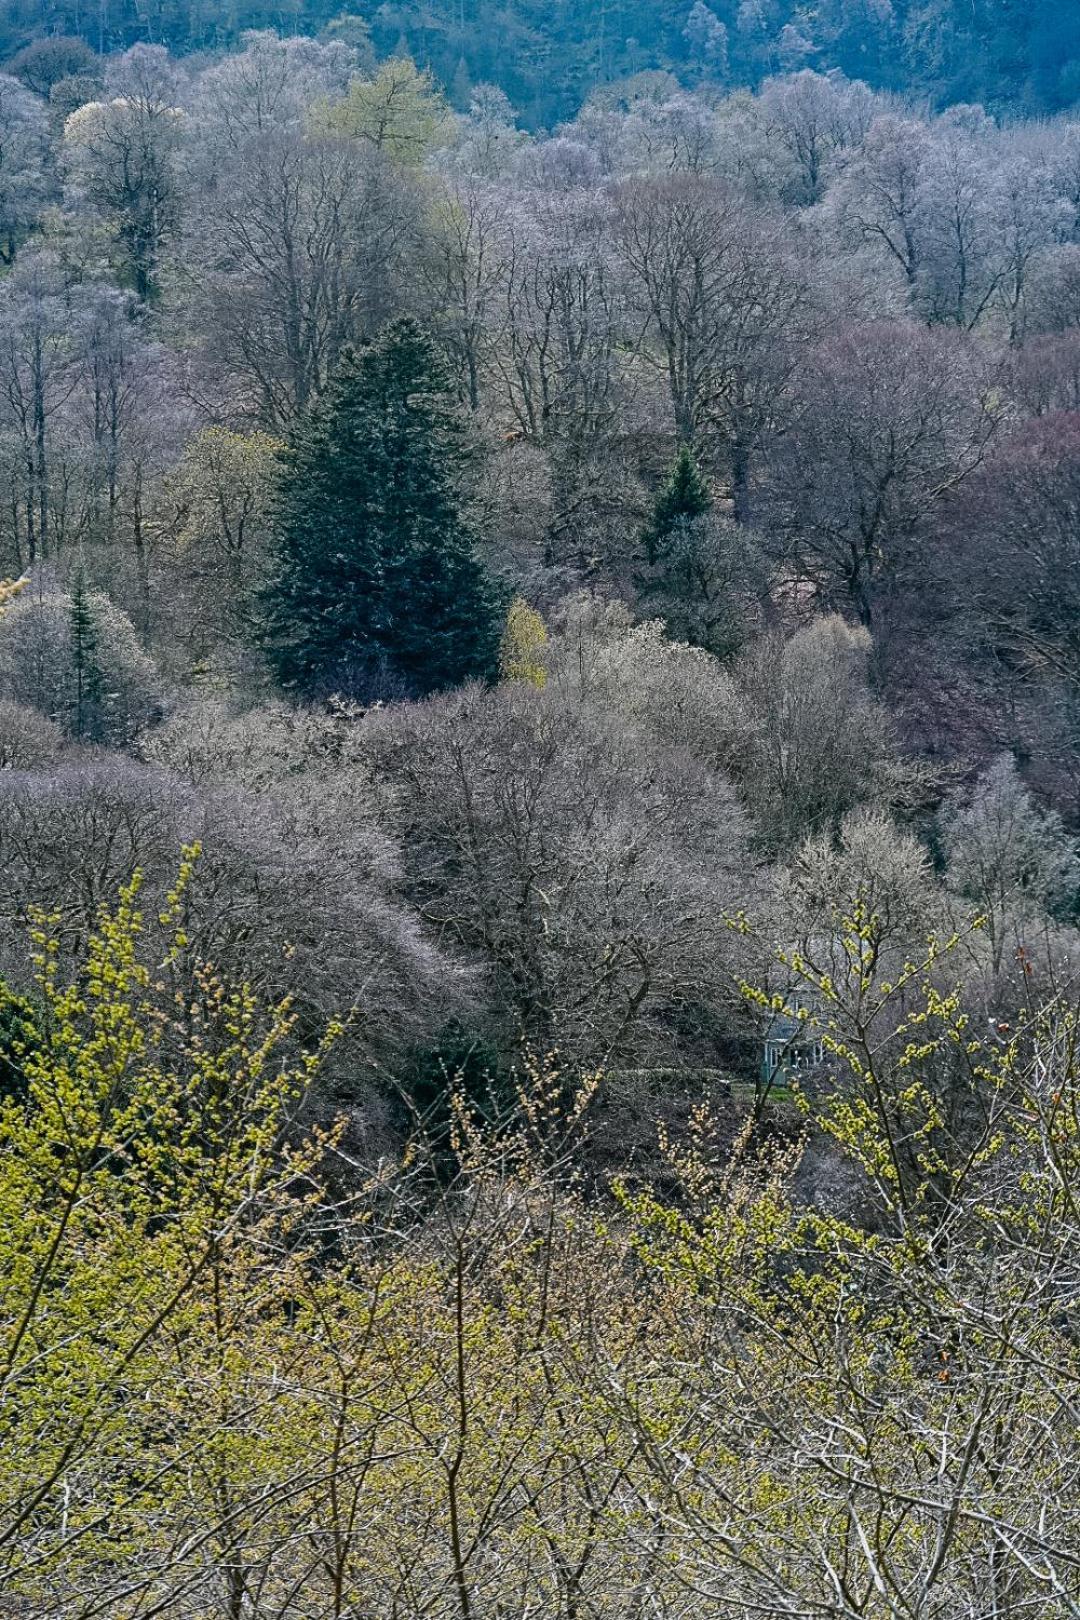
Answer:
x=87 y=684
x=377 y=588
x=684 y=497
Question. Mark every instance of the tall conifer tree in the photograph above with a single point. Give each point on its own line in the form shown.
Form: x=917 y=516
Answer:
x=377 y=586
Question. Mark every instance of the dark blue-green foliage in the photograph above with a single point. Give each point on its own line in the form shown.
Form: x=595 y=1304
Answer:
x=377 y=591
x=549 y=55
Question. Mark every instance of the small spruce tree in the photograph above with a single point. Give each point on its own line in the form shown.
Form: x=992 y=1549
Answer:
x=684 y=497
x=87 y=683
x=376 y=585
x=72 y=656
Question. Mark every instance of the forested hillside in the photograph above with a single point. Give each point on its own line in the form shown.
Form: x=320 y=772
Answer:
x=539 y=814
x=547 y=57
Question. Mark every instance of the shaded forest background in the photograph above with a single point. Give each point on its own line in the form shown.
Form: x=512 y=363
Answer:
x=548 y=57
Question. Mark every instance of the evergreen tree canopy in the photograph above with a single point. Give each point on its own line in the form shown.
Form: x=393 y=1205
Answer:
x=684 y=497
x=88 y=684
x=377 y=588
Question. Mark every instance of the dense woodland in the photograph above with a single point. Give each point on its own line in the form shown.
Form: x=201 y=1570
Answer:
x=549 y=55
x=500 y=617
